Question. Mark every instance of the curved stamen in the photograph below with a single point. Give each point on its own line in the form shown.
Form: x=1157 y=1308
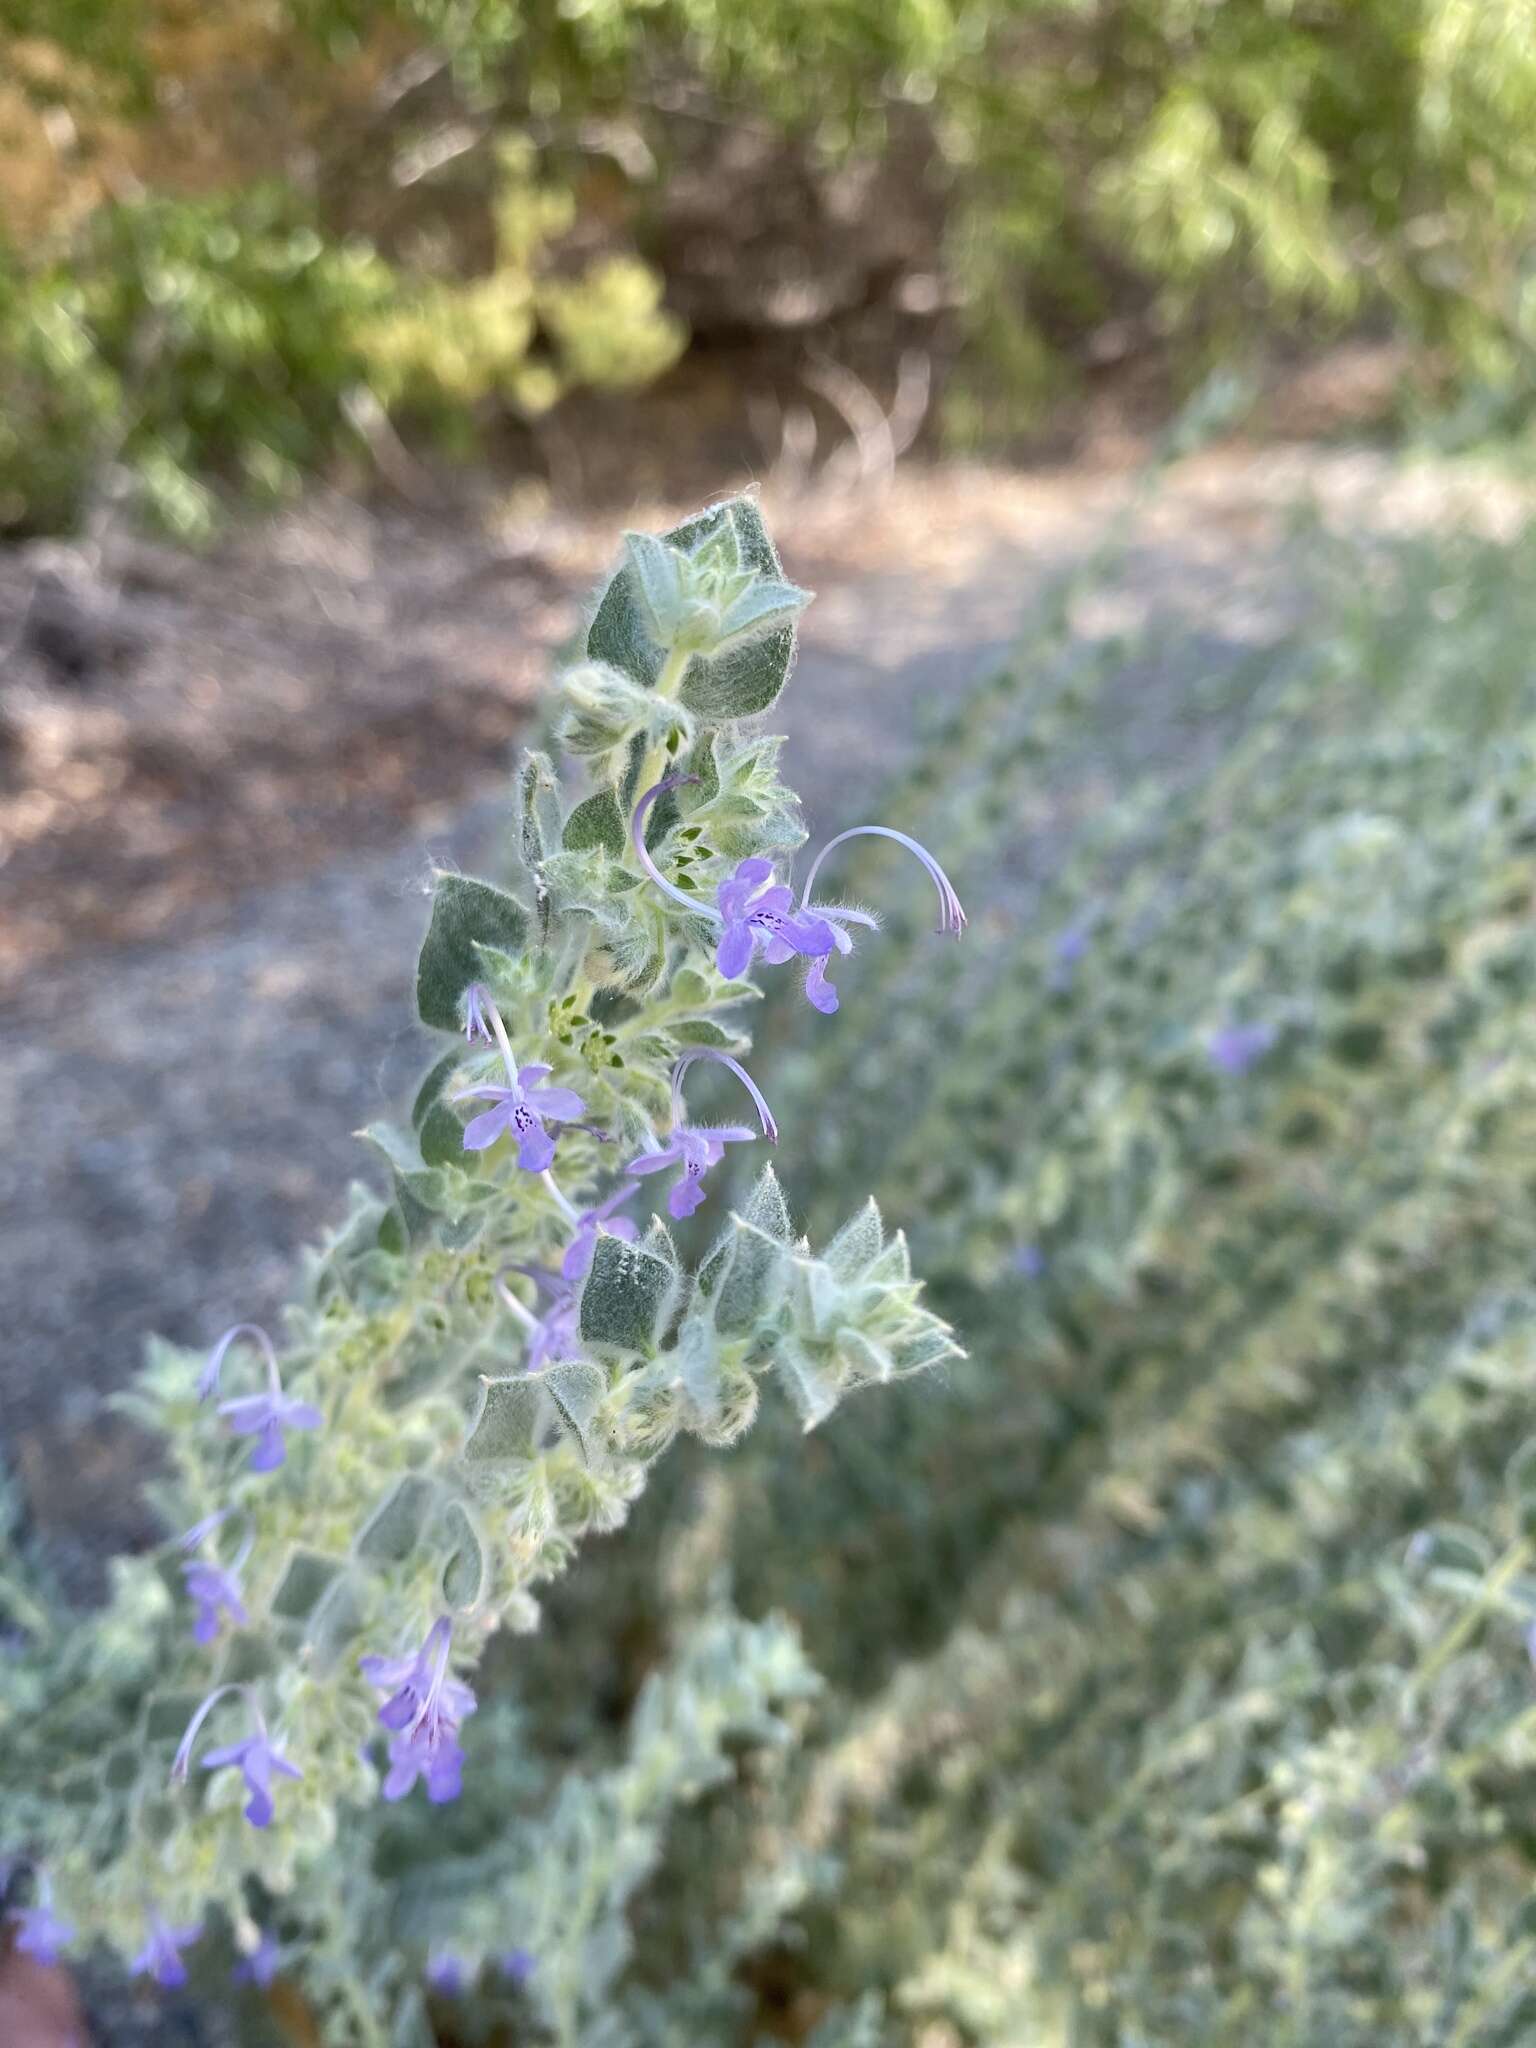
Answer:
x=492 y=1016
x=642 y=853
x=183 y=1758
x=722 y=1059
x=952 y=918
x=208 y=1378
x=562 y=1202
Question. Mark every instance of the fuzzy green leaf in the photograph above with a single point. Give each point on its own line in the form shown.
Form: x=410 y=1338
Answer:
x=628 y=1297
x=465 y=915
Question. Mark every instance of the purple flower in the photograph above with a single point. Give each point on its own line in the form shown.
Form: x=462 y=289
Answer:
x=257 y=1759
x=1030 y=1261
x=517 y=1965
x=697 y=1148
x=754 y=913
x=423 y=1711
x=554 y=1334
x=520 y=1109
x=259 y=1967
x=40 y=1933
x=264 y=1416
x=214 y=1590
x=446 y=1973
x=160 y=1957
x=578 y=1253
x=256 y=1756
x=1237 y=1047
x=758 y=915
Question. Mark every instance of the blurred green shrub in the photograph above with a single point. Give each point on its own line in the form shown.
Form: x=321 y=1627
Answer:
x=1053 y=189
x=1181 y=1639
x=177 y=343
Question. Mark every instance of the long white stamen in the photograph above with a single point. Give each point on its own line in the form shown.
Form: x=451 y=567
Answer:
x=642 y=852
x=722 y=1059
x=952 y=919
x=562 y=1202
x=508 y=1058
x=529 y=1321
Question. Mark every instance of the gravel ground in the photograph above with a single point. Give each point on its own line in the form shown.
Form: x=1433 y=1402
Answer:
x=180 y=1101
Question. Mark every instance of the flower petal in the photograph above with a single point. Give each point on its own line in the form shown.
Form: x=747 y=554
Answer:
x=733 y=955
x=482 y=1131
x=653 y=1162
x=564 y=1104
x=535 y=1149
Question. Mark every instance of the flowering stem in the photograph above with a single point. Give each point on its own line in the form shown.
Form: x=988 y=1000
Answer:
x=562 y=1201
x=722 y=1059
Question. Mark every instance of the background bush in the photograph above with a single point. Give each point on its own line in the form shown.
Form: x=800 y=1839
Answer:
x=1030 y=192
x=1177 y=1645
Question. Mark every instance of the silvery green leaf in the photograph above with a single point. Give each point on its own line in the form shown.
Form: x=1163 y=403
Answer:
x=658 y=576
x=698 y=1366
x=394 y=1529
x=306 y=1578
x=464 y=1574
x=503 y=1428
x=596 y=821
x=740 y=682
x=762 y=608
x=628 y=1297
x=753 y=1283
x=538 y=807
x=857 y=1245
x=810 y=1386
x=863 y=1357
x=576 y=1389
x=465 y=915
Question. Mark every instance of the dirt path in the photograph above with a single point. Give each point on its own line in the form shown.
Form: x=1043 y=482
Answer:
x=215 y=847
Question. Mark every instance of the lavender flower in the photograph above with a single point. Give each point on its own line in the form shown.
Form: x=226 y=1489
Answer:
x=446 y=1974
x=259 y=1966
x=1237 y=1047
x=697 y=1148
x=264 y=1416
x=554 y=1334
x=758 y=915
x=256 y=1756
x=160 y=1957
x=521 y=1106
x=755 y=914
x=40 y=1933
x=214 y=1588
x=423 y=1711
x=578 y=1253
x=517 y=1965
x=1030 y=1261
